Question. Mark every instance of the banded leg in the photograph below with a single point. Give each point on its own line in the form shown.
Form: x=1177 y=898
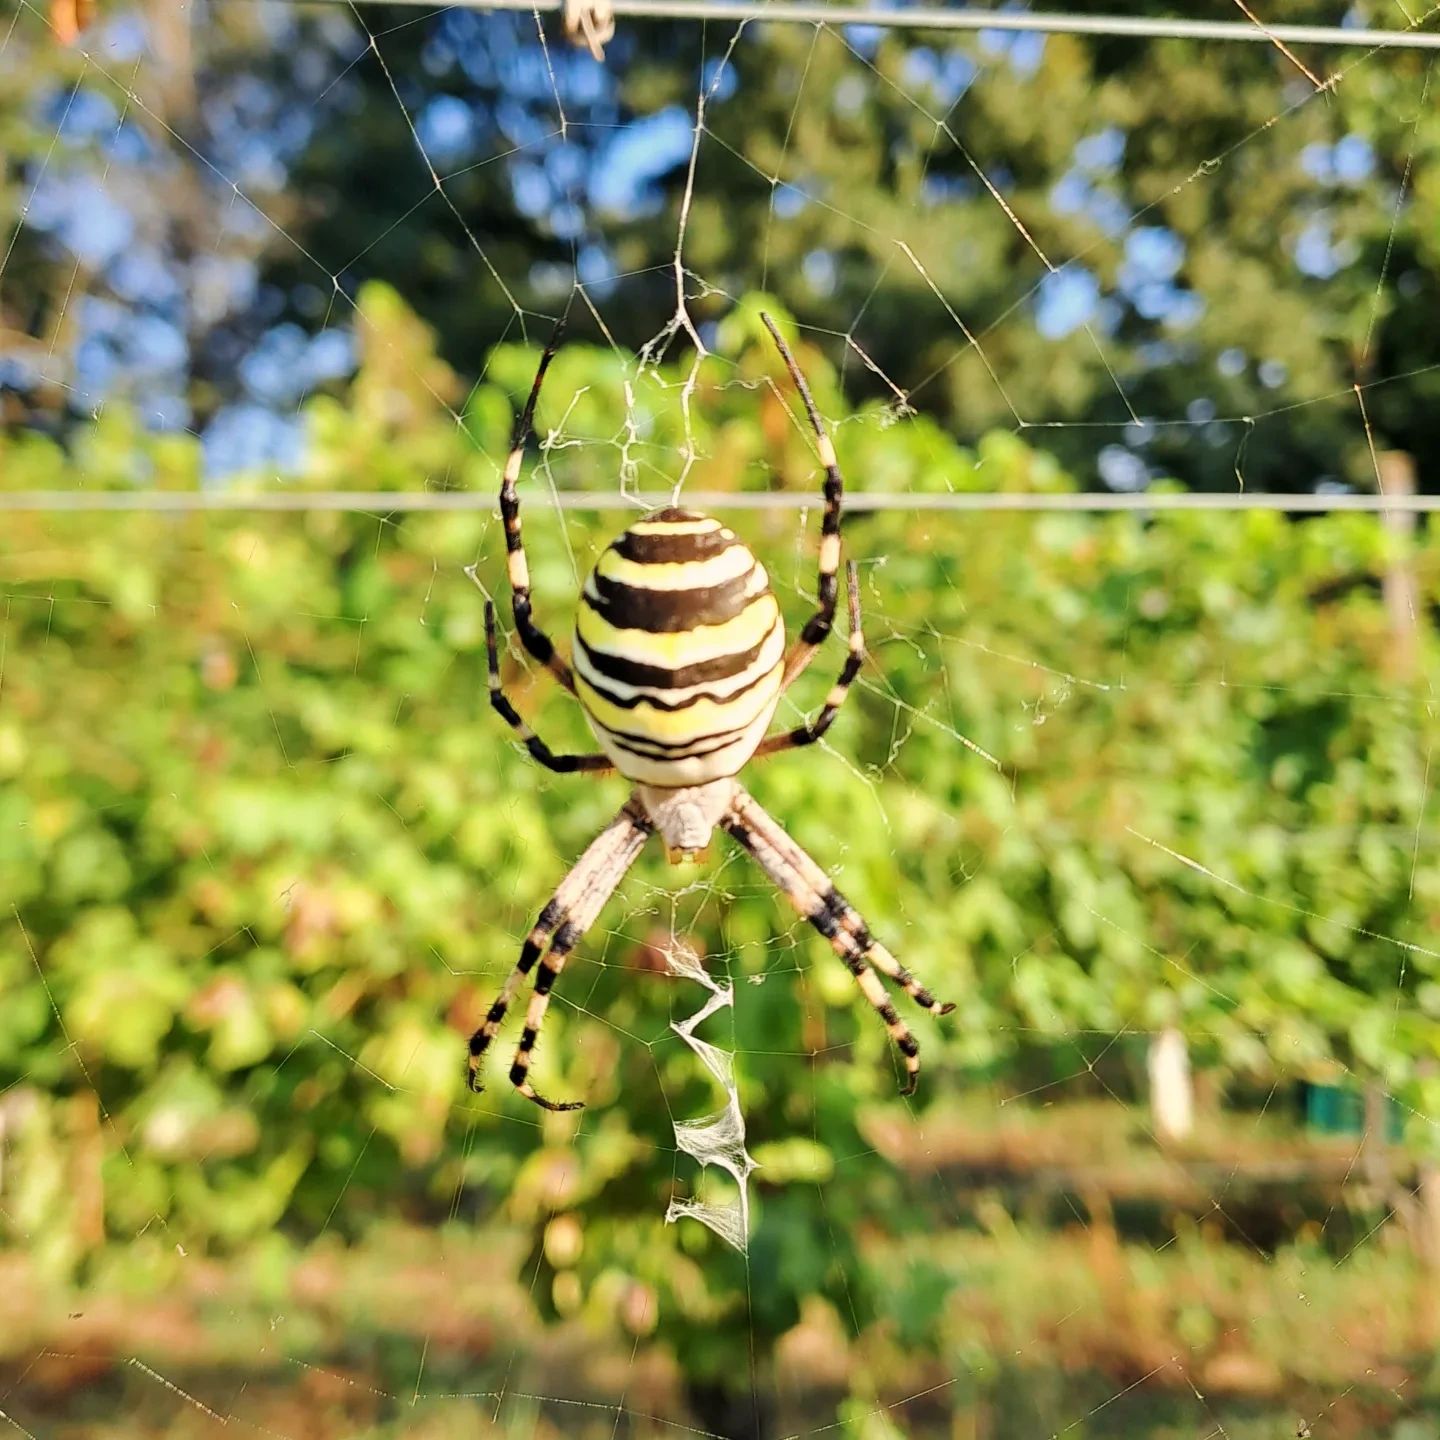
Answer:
x=812 y=730
x=531 y=636
x=539 y=750
x=820 y=623
x=584 y=914
x=567 y=915
x=566 y=939
x=809 y=890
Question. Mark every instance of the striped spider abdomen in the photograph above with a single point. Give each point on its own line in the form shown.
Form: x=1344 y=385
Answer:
x=679 y=651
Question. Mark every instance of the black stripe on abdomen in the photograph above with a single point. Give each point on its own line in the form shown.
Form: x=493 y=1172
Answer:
x=656 y=701
x=691 y=749
x=650 y=549
x=633 y=607
x=659 y=677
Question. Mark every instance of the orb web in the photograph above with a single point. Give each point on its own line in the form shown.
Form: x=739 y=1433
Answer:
x=1145 y=921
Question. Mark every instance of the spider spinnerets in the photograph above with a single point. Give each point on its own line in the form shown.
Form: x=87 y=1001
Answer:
x=679 y=662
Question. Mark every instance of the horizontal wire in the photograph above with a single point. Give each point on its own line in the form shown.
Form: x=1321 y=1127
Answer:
x=939 y=18
x=386 y=502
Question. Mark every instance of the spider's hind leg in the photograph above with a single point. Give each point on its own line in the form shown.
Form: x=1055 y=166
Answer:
x=809 y=890
x=571 y=911
x=566 y=938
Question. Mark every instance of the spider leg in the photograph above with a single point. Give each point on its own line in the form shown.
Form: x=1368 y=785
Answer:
x=577 y=901
x=820 y=623
x=532 y=637
x=539 y=750
x=809 y=890
x=566 y=938
x=812 y=730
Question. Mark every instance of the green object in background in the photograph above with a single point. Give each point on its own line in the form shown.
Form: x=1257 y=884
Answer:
x=1340 y=1110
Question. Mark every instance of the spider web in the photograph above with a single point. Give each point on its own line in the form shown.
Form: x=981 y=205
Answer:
x=497 y=1292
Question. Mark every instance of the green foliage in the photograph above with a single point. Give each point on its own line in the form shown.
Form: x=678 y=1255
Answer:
x=269 y=854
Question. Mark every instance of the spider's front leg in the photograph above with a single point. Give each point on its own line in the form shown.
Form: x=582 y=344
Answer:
x=808 y=889
x=539 y=750
x=812 y=730
x=819 y=625
x=571 y=911
x=535 y=640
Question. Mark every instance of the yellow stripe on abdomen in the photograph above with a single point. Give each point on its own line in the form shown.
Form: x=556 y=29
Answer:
x=717 y=761
x=682 y=575
x=685 y=727
x=686 y=525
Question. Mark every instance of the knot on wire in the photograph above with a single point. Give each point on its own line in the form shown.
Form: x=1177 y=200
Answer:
x=590 y=23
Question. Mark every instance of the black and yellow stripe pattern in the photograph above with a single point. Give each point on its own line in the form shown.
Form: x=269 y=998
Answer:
x=679 y=661
x=679 y=651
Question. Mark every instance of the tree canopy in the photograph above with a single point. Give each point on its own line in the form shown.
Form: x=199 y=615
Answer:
x=1174 y=258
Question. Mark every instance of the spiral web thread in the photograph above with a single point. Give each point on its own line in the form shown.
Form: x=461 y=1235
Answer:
x=718 y=1140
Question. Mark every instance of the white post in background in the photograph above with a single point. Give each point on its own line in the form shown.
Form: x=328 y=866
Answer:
x=1172 y=1095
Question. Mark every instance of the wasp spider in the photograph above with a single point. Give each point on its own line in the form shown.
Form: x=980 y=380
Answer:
x=679 y=661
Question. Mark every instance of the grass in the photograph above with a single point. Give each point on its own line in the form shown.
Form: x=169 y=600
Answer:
x=417 y=1332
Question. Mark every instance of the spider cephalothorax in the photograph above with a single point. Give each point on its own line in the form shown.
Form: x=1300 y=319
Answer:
x=679 y=662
